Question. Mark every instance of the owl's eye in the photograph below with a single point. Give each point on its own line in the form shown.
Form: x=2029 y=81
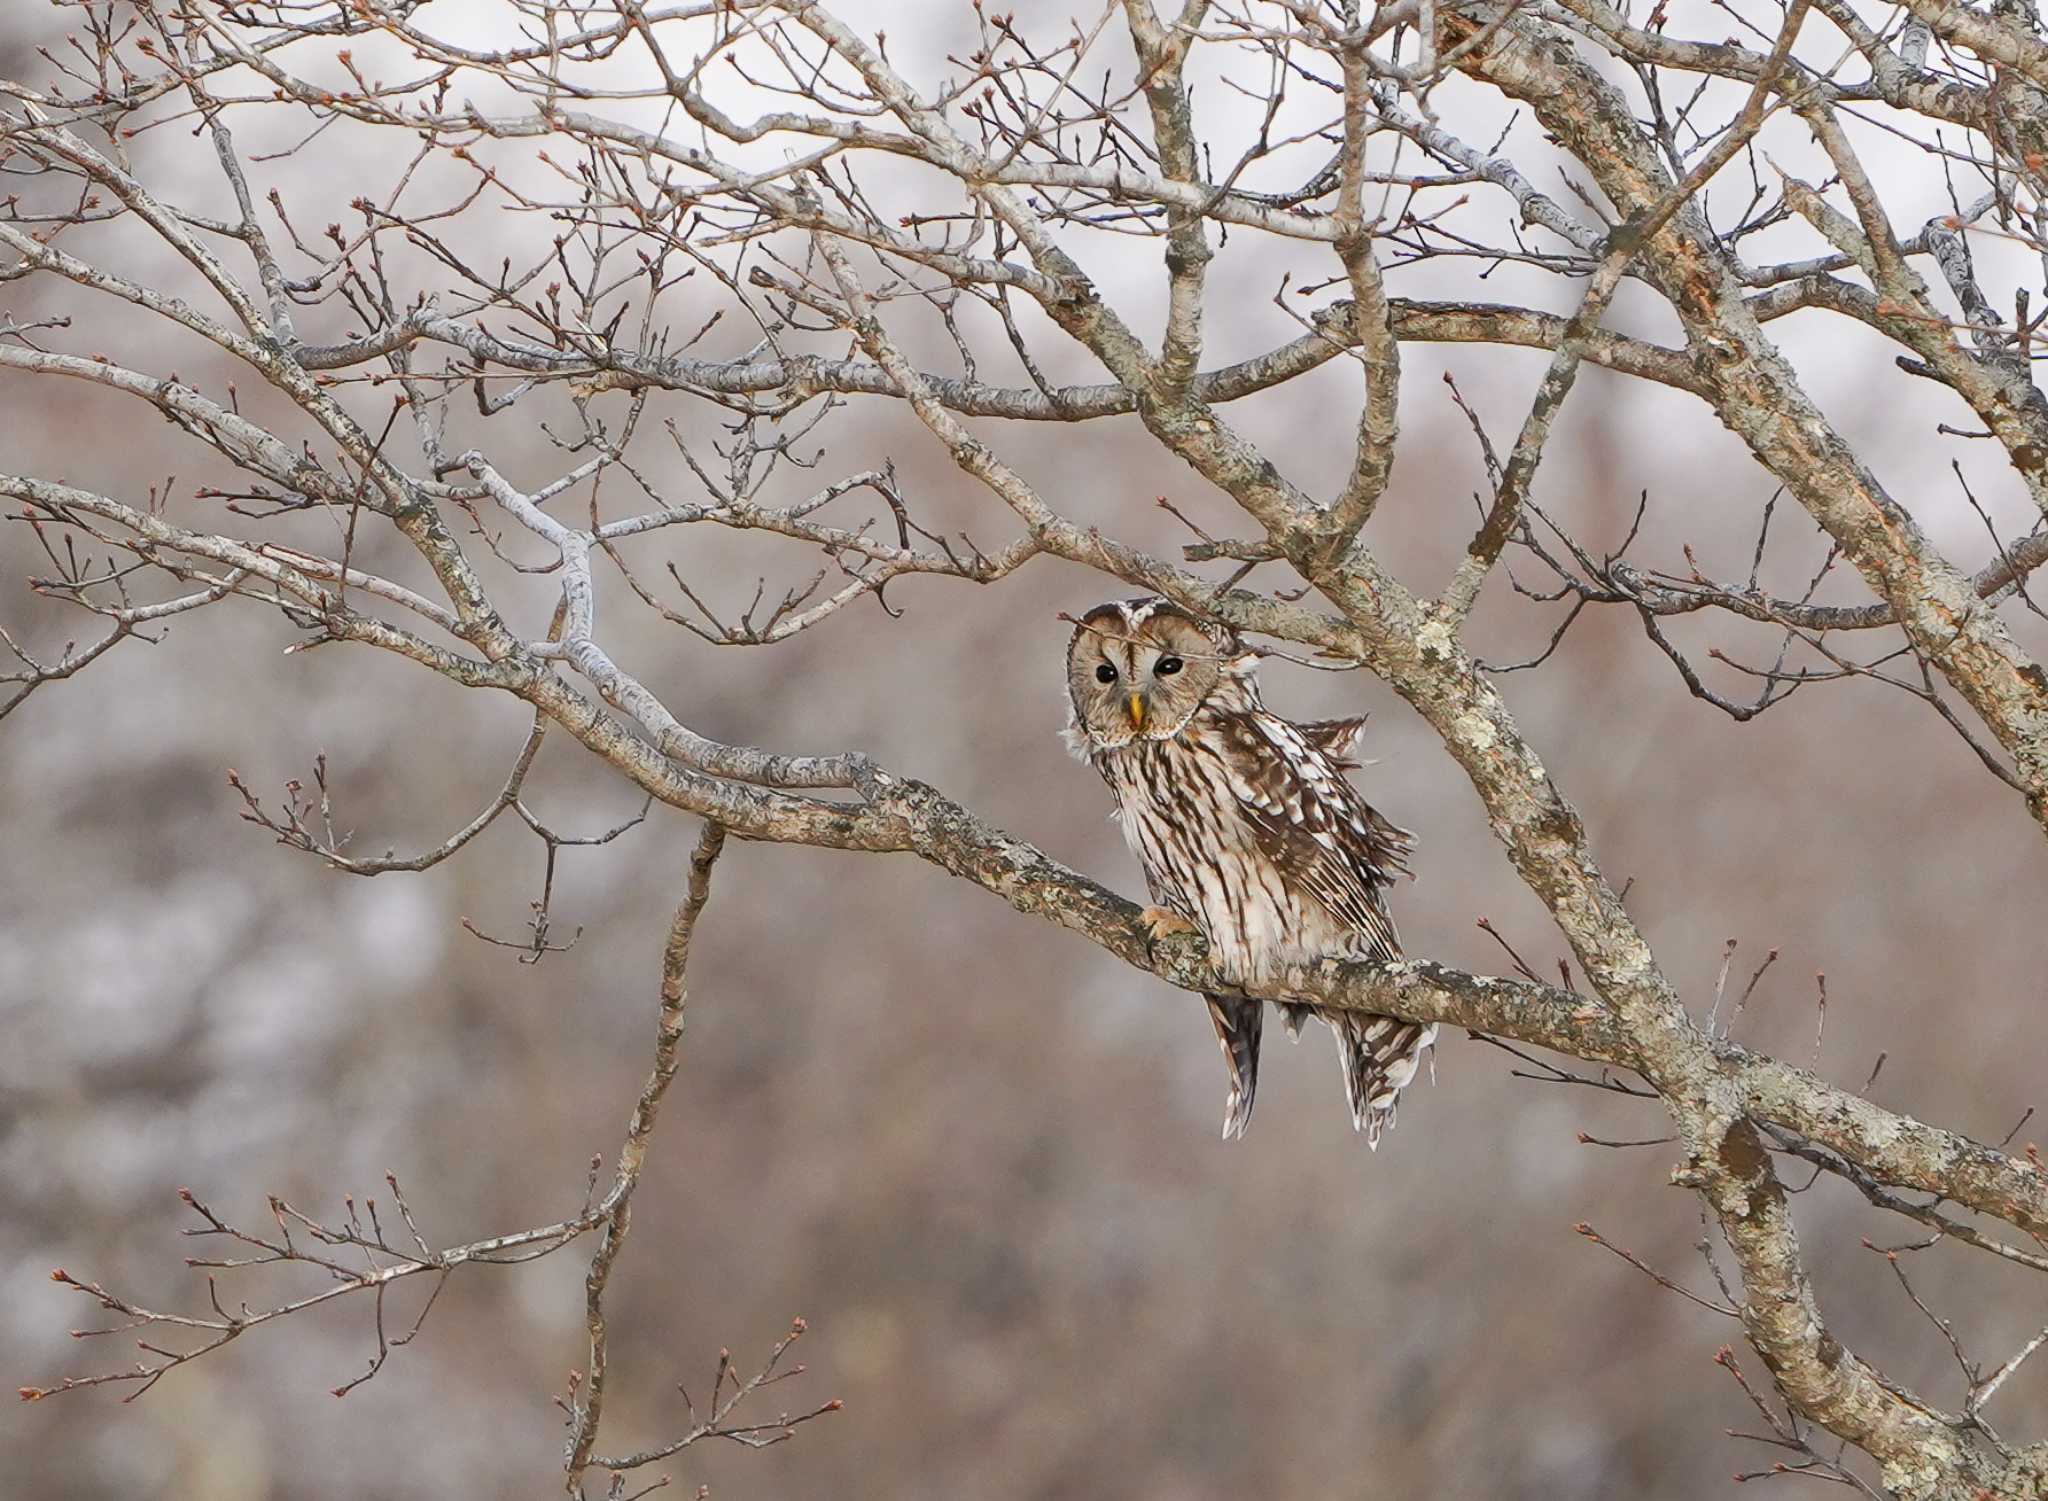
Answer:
x=1166 y=667
x=1105 y=674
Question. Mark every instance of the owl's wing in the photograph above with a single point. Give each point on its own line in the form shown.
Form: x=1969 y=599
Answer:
x=1320 y=835
x=1335 y=738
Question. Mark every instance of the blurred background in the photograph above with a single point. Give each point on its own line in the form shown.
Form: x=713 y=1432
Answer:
x=975 y=1154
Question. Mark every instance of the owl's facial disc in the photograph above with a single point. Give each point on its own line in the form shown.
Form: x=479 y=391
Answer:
x=1139 y=671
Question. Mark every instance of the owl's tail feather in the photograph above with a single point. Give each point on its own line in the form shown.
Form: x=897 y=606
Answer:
x=1238 y=1022
x=1292 y=1016
x=1380 y=1055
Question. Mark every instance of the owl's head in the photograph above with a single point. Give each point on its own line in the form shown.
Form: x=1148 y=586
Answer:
x=1141 y=668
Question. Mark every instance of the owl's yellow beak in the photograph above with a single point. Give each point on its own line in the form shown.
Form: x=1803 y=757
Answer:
x=1137 y=705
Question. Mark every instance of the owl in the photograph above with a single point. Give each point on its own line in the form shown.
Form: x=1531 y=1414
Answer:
x=1247 y=831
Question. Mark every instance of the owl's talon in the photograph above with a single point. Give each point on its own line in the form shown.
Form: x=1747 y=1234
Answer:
x=1164 y=923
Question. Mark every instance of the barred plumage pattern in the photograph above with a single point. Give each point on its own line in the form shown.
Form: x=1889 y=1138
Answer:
x=1247 y=827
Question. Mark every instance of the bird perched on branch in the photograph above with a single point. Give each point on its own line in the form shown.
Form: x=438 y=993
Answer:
x=1248 y=832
